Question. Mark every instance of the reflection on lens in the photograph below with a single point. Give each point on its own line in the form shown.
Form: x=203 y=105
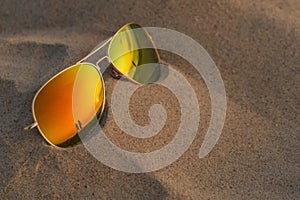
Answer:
x=77 y=91
x=134 y=55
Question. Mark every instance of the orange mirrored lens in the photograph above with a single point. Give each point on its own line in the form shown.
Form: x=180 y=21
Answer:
x=68 y=102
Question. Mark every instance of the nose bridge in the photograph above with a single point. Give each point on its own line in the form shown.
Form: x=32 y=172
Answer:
x=98 y=53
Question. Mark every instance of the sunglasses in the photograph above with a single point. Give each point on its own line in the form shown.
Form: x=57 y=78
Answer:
x=74 y=99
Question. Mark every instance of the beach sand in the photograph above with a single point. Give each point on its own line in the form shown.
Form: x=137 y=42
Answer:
x=255 y=45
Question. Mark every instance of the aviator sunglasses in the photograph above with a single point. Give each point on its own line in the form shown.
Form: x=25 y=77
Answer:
x=75 y=98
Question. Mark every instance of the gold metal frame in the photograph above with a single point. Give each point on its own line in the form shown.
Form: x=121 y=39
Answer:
x=116 y=74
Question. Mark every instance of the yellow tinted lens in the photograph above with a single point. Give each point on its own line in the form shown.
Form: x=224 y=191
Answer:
x=133 y=54
x=77 y=91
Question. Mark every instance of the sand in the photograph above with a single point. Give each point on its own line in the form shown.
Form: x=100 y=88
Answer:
x=255 y=45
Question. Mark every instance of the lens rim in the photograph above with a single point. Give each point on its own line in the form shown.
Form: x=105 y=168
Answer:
x=45 y=84
x=151 y=40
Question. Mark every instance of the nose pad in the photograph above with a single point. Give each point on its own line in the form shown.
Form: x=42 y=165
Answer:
x=115 y=74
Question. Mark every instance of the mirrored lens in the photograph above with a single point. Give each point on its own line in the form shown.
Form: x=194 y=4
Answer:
x=77 y=91
x=134 y=55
